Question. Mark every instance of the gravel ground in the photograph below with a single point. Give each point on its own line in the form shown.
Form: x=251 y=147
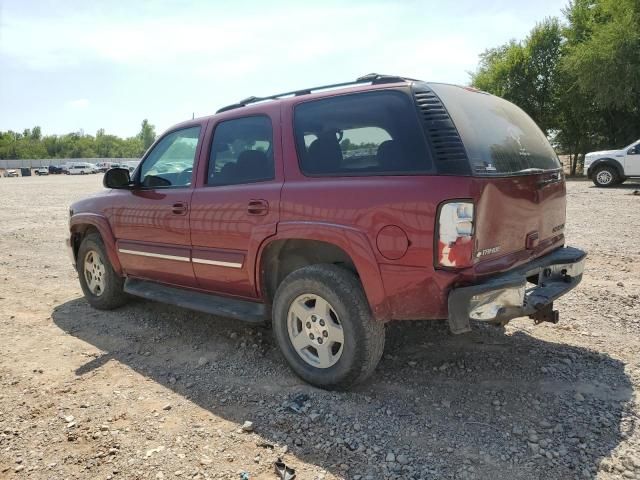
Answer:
x=153 y=391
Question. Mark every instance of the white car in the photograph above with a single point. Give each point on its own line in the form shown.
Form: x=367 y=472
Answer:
x=42 y=171
x=12 y=173
x=612 y=167
x=80 y=169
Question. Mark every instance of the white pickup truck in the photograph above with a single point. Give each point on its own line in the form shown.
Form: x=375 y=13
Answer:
x=612 y=167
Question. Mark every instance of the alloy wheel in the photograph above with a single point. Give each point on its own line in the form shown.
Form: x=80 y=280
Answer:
x=604 y=177
x=315 y=331
x=94 y=272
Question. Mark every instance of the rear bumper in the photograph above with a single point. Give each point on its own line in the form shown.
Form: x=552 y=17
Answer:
x=506 y=296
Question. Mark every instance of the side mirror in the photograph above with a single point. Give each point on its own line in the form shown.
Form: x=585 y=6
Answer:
x=633 y=150
x=116 y=178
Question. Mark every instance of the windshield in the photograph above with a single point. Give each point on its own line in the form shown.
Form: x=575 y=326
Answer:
x=500 y=139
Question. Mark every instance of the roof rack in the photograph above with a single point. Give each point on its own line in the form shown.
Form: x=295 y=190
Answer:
x=372 y=78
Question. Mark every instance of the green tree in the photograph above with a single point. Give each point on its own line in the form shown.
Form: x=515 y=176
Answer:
x=604 y=51
x=147 y=134
x=602 y=57
x=580 y=81
x=32 y=144
x=525 y=73
x=36 y=133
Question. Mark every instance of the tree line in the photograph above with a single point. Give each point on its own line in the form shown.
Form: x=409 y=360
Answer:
x=577 y=76
x=32 y=144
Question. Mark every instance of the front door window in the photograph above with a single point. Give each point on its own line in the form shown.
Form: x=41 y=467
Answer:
x=170 y=163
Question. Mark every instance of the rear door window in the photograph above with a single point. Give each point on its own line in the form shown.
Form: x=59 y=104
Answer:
x=242 y=152
x=371 y=133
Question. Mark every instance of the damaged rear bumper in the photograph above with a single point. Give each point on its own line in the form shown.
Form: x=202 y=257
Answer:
x=506 y=296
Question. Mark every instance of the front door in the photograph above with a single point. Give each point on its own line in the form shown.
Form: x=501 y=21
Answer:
x=236 y=206
x=151 y=220
x=632 y=161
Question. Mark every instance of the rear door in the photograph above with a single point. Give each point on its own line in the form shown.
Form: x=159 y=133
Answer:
x=151 y=220
x=237 y=201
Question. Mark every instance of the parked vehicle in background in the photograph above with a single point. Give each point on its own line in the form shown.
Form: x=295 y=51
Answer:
x=12 y=173
x=81 y=169
x=104 y=166
x=42 y=171
x=612 y=167
x=131 y=165
x=55 y=170
x=334 y=210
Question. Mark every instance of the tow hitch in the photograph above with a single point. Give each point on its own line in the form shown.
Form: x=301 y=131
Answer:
x=546 y=314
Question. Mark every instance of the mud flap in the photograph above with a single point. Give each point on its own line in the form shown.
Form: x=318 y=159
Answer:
x=458 y=314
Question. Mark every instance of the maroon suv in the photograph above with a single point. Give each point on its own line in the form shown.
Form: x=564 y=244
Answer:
x=331 y=211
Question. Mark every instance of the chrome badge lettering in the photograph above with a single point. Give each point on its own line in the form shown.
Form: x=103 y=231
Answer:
x=488 y=251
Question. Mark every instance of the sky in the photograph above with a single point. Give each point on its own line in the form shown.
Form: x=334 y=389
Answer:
x=69 y=65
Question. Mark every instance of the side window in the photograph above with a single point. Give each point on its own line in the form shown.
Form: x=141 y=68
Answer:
x=373 y=133
x=242 y=152
x=170 y=163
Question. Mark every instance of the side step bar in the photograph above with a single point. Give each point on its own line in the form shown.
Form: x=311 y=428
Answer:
x=202 y=302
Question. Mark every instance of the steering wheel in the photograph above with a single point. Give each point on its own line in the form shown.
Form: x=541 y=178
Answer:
x=184 y=177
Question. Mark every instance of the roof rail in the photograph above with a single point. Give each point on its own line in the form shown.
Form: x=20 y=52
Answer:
x=372 y=78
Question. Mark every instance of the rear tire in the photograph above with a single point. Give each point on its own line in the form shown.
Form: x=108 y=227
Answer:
x=324 y=327
x=605 y=176
x=101 y=285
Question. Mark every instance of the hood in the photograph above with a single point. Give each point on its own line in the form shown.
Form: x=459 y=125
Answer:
x=603 y=152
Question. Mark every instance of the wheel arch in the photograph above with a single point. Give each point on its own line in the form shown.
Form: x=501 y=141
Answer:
x=82 y=224
x=609 y=162
x=296 y=246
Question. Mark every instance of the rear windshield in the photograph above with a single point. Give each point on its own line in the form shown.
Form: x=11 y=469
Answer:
x=498 y=136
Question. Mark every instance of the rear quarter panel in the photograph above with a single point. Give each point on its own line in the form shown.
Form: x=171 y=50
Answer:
x=412 y=286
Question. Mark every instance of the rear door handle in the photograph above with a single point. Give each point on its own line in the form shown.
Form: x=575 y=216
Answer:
x=258 y=207
x=179 y=208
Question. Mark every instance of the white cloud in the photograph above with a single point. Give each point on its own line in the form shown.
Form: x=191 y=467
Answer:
x=298 y=39
x=79 y=104
x=208 y=42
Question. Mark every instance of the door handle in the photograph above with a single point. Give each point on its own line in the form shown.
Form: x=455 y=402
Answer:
x=258 y=207
x=179 y=208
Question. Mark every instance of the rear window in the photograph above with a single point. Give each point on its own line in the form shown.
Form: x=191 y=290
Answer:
x=372 y=133
x=499 y=137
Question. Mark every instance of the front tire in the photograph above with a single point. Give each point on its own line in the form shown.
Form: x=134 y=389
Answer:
x=605 y=177
x=324 y=327
x=101 y=285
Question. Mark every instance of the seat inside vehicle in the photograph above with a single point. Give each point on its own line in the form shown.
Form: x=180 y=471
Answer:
x=325 y=153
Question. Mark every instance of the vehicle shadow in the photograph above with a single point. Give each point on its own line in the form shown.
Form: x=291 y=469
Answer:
x=482 y=405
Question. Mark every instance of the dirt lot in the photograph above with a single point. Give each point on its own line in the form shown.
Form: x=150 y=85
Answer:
x=151 y=391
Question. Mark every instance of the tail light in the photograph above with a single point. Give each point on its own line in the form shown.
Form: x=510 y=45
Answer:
x=455 y=235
